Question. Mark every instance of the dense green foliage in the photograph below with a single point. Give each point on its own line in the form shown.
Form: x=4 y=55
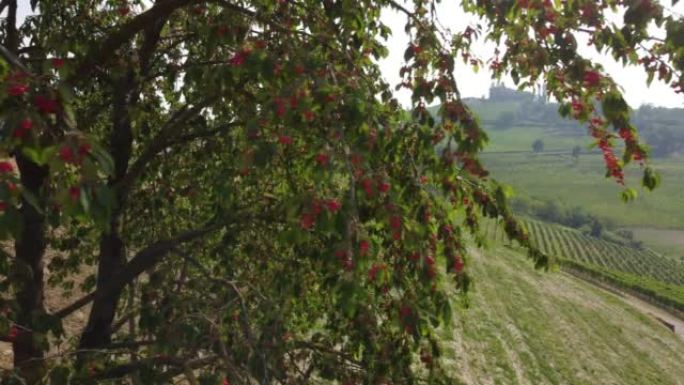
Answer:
x=247 y=198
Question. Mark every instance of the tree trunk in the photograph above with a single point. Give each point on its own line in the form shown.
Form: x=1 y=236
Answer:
x=98 y=332
x=29 y=251
x=112 y=258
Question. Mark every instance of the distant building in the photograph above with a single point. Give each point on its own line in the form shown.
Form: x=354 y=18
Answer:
x=500 y=93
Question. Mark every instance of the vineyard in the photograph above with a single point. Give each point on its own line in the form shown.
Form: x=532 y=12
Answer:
x=643 y=270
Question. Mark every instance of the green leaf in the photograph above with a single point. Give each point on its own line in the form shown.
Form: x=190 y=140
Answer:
x=408 y=54
x=104 y=160
x=84 y=199
x=32 y=200
x=628 y=194
x=614 y=107
x=651 y=179
x=59 y=376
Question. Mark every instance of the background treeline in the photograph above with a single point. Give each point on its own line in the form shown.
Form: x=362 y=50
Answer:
x=662 y=128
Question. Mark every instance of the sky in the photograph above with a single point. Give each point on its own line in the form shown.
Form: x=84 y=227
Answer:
x=631 y=79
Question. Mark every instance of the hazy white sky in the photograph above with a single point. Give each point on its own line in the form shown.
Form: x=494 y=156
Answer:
x=632 y=79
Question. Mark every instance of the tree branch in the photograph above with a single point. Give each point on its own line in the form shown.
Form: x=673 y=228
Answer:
x=160 y=142
x=13 y=60
x=180 y=363
x=143 y=260
x=103 y=51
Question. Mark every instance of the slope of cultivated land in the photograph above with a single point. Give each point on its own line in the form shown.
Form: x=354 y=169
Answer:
x=642 y=271
x=564 y=242
x=534 y=327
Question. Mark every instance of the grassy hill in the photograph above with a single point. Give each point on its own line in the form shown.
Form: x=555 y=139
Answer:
x=532 y=327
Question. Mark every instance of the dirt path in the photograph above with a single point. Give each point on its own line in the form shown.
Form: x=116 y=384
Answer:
x=643 y=306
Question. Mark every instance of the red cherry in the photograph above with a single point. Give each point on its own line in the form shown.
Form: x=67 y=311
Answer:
x=363 y=247
x=307 y=221
x=277 y=69
x=367 y=186
x=67 y=154
x=45 y=105
x=356 y=159
x=221 y=31
x=316 y=207
x=26 y=124
x=280 y=106
x=239 y=58
x=13 y=334
x=23 y=129
x=84 y=149
x=260 y=44
x=123 y=11
x=458 y=266
x=395 y=222
x=3 y=206
x=57 y=63
x=429 y=260
x=294 y=102
x=75 y=193
x=384 y=187
x=17 y=89
x=332 y=205
x=6 y=167
x=373 y=272
x=591 y=78
x=322 y=159
x=309 y=115
x=285 y=140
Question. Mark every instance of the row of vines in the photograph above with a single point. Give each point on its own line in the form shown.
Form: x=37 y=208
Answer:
x=643 y=270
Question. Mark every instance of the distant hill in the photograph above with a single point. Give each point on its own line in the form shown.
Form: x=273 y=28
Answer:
x=662 y=128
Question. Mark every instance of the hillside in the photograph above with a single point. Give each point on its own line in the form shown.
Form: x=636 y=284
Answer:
x=514 y=120
x=533 y=327
x=659 y=277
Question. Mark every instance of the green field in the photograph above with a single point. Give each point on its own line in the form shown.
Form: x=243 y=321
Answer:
x=534 y=327
x=670 y=241
x=559 y=178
